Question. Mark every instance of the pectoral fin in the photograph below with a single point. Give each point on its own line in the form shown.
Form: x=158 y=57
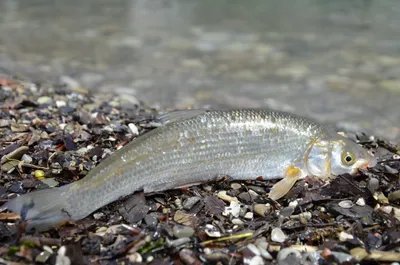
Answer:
x=292 y=174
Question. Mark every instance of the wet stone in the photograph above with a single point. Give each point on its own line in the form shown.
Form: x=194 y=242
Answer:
x=190 y=202
x=248 y=196
x=183 y=231
x=277 y=235
x=151 y=220
x=42 y=257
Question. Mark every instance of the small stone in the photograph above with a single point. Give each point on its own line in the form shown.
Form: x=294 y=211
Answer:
x=248 y=196
x=190 y=202
x=134 y=129
x=223 y=196
x=151 y=220
x=287 y=211
x=98 y=216
x=135 y=258
x=373 y=184
x=262 y=209
x=183 y=231
x=360 y=201
x=233 y=208
x=4 y=123
x=178 y=242
x=346 y=204
x=60 y=103
x=237 y=221
x=254 y=249
x=184 y=218
x=236 y=186
x=343 y=236
x=45 y=100
x=43 y=257
x=189 y=257
x=277 y=235
x=61 y=258
x=394 y=196
x=26 y=158
x=380 y=197
x=248 y=215
x=48 y=249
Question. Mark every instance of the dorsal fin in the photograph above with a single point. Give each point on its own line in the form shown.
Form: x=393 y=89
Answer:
x=178 y=115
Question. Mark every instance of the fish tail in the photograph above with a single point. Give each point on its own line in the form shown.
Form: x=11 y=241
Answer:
x=42 y=209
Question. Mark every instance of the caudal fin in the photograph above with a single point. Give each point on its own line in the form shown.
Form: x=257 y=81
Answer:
x=41 y=209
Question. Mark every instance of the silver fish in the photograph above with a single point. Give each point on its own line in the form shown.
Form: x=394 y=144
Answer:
x=195 y=146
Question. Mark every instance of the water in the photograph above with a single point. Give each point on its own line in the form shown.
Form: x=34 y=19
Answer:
x=335 y=61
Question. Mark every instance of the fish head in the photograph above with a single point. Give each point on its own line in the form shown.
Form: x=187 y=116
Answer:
x=337 y=155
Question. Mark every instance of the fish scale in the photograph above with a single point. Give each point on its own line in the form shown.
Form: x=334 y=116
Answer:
x=188 y=148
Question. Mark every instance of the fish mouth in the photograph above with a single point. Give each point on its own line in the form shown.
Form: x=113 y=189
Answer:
x=368 y=163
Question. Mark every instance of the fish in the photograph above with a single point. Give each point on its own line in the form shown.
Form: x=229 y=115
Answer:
x=195 y=146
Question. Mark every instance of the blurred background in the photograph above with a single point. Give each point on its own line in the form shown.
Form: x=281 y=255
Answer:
x=334 y=61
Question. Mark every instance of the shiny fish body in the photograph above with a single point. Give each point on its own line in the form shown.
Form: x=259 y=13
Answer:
x=191 y=147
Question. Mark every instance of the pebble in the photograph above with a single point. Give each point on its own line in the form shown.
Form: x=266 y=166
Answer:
x=380 y=197
x=26 y=158
x=343 y=236
x=262 y=247
x=45 y=100
x=287 y=211
x=277 y=235
x=48 y=249
x=189 y=257
x=4 y=123
x=288 y=256
x=249 y=215
x=42 y=257
x=151 y=220
x=262 y=209
x=223 y=196
x=236 y=186
x=190 y=202
x=61 y=258
x=233 y=208
x=373 y=184
x=360 y=202
x=237 y=221
x=134 y=129
x=183 y=231
x=254 y=249
x=178 y=242
x=60 y=103
x=135 y=257
x=346 y=204
x=248 y=196
x=394 y=196
x=98 y=216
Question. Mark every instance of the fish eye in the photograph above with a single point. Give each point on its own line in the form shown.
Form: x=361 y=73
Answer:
x=348 y=158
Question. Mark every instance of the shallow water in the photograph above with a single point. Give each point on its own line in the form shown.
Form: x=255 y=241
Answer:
x=334 y=61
